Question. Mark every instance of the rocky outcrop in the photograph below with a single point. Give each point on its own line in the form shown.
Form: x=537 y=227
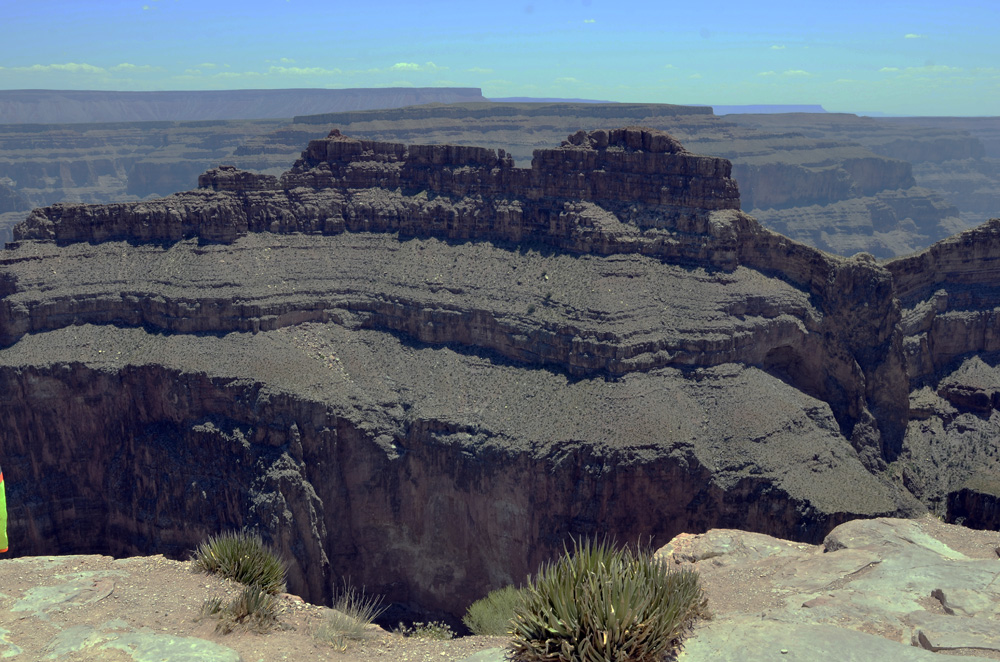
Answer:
x=878 y=589
x=392 y=357
x=949 y=293
x=347 y=184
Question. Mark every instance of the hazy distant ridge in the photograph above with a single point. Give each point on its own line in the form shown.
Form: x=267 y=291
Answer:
x=637 y=111
x=73 y=106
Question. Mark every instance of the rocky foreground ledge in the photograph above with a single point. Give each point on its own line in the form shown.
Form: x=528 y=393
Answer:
x=883 y=589
x=424 y=369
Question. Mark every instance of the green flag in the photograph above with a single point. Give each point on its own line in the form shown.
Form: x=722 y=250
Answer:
x=3 y=515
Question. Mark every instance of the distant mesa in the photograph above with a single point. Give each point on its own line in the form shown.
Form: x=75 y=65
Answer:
x=546 y=100
x=767 y=109
x=83 y=106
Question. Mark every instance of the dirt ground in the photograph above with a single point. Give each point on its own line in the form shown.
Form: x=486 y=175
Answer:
x=148 y=608
x=141 y=609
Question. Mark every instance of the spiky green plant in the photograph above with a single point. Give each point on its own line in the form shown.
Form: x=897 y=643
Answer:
x=242 y=556
x=493 y=614
x=602 y=604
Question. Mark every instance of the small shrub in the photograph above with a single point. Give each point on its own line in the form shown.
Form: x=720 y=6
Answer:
x=352 y=613
x=599 y=604
x=253 y=609
x=242 y=556
x=493 y=615
x=430 y=630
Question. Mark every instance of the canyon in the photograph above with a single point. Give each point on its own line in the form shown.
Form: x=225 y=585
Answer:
x=841 y=183
x=424 y=368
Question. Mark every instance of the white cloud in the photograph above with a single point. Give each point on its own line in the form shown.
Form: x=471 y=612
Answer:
x=413 y=66
x=767 y=73
x=303 y=71
x=271 y=71
x=72 y=67
x=889 y=70
x=567 y=79
x=695 y=76
x=777 y=47
x=928 y=69
x=937 y=69
x=479 y=70
x=913 y=35
x=589 y=20
x=796 y=72
x=237 y=74
x=126 y=66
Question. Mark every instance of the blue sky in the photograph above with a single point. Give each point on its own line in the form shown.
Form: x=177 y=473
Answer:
x=908 y=58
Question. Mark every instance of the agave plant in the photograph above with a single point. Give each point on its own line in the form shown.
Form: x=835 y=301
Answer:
x=602 y=604
x=242 y=556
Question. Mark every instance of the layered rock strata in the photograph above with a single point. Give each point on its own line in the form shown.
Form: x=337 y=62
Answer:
x=423 y=368
x=804 y=175
x=818 y=178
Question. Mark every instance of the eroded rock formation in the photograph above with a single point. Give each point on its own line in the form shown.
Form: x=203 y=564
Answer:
x=424 y=368
x=838 y=182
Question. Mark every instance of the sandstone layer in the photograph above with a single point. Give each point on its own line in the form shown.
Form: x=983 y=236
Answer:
x=424 y=368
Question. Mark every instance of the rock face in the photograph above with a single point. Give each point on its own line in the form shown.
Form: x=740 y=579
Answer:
x=822 y=179
x=423 y=368
x=881 y=589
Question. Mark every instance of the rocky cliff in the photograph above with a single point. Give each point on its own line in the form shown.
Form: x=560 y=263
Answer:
x=423 y=368
x=817 y=178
